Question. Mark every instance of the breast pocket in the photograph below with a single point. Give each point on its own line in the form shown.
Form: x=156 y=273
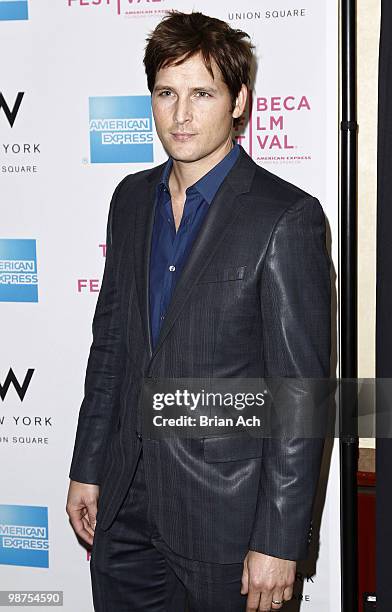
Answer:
x=231 y=448
x=231 y=273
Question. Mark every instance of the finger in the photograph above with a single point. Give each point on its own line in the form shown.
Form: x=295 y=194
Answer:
x=76 y=518
x=87 y=526
x=277 y=595
x=244 y=580
x=88 y=520
x=89 y=539
x=92 y=514
x=265 y=601
x=84 y=534
x=288 y=593
x=252 y=602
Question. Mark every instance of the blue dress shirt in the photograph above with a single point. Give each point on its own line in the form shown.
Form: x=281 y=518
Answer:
x=170 y=249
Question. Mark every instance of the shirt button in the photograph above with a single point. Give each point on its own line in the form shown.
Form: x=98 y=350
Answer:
x=172 y=268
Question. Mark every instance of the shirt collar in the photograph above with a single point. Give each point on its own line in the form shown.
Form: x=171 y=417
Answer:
x=209 y=184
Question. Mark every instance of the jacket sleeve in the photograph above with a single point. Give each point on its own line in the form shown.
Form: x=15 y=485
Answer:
x=103 y=373
x=295 y=302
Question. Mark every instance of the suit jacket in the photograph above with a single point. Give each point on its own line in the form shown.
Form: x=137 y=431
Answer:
x=253 y=300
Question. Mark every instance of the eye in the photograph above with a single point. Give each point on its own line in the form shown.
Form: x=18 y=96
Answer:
x=165 y=93
x=203 y=94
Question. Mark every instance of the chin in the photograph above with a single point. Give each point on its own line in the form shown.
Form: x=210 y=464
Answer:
x=180 y=153
x=186 y=158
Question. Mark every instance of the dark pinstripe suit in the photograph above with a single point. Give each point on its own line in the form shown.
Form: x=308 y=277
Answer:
x=253 y=300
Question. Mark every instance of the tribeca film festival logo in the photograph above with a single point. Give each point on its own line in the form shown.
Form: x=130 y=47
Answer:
x=13 y=10
x=11 y=150
x=264 y=130
x=121 y=129
x=18 y=270
x=91 y=285
x=24 y=538
x=127 y=8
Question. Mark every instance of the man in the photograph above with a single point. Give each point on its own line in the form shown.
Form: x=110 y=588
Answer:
x=214 y=268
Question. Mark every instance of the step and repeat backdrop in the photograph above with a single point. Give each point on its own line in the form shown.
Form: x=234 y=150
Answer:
x=69 y=70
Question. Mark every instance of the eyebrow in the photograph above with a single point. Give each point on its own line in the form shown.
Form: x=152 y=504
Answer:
x=201 y=88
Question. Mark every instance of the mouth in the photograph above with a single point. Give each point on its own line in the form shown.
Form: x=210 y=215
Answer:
x=182 y=136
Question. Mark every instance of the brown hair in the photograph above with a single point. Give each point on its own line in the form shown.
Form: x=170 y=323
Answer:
x=181 y=35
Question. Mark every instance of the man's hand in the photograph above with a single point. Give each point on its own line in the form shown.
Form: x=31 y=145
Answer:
x=82 y=508
x=265 y=579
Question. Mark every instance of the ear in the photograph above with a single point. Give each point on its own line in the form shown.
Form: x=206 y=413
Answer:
x=240 y=102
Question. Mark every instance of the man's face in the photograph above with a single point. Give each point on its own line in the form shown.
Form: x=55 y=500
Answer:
x=192 y=110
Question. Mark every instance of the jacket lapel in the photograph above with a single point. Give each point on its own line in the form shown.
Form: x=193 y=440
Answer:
x=221 y=213
x=144 y=221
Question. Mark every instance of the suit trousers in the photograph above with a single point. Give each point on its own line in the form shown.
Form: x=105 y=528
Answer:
x=133 y=569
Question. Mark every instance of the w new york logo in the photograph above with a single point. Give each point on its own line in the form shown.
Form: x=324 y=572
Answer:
x=12 y=10
x=12 y=380
x=11 y=111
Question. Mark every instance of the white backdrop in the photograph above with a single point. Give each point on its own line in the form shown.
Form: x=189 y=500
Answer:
x=54 y=202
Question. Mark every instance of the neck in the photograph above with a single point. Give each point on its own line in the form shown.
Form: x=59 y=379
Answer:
x=183 y=174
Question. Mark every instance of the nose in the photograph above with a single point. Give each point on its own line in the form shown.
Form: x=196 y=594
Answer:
x=182 y=111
